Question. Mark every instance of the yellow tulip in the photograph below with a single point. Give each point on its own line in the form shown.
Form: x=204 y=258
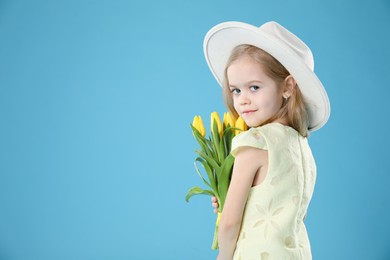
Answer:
x=228 y=120
x=240 y=124
x=215 y=117
x=197 y=123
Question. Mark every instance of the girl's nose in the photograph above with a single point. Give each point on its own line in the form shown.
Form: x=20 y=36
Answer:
x=244 y=99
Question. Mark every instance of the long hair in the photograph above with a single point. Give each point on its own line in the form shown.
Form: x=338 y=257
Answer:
x=293 y=109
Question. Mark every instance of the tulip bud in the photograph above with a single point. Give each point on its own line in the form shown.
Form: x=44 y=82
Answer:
x=215 y=118
x=197 y=123
x=228 y=120
x=240 y=124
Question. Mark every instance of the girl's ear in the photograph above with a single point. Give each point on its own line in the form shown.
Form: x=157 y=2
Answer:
x=289 y=86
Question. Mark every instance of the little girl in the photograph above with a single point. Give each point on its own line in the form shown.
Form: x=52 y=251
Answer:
x=268 y=79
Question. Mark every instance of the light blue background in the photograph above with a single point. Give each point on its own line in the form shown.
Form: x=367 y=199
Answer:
x=96 y=153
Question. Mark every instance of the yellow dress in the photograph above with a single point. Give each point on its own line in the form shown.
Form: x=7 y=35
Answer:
x=272 y=225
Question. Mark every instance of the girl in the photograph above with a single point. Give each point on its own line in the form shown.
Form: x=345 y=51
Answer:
x=268 y=79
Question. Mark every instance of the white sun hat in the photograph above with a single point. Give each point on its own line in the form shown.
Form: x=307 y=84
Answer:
x=284 y=46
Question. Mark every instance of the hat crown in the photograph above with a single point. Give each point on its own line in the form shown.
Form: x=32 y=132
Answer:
x=289 y=42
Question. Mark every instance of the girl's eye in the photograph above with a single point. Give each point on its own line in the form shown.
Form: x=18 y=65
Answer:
x=236 y=91
x=254 y=88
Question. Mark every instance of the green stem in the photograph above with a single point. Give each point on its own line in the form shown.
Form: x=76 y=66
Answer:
x=214 y=246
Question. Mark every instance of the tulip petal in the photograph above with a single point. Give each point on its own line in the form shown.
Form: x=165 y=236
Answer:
x=240 y=124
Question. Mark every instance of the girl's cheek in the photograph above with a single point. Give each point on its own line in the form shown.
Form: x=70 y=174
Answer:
x=235 y=105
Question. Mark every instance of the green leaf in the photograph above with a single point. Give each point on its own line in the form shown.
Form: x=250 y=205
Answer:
x=210 y=174
x=216 y=140
x=228 y=136
x=209 y=160
x=201 y=176
x=211 y=146
x=200 y=139
x=222 y=150
x=224 y=175
x=197 y=191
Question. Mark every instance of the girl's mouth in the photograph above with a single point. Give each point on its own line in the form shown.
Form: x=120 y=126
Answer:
x=248 y=112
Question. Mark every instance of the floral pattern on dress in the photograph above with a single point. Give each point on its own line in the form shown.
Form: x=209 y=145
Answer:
x=268 y=218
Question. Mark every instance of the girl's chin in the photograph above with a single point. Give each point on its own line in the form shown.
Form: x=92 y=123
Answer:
x=251 y=124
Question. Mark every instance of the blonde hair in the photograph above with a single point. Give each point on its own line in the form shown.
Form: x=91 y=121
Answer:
x=293 y=109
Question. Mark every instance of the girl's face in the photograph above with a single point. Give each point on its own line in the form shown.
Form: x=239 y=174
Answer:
x=256 y=97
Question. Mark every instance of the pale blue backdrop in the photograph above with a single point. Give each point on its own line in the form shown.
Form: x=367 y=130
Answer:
x=96 y=99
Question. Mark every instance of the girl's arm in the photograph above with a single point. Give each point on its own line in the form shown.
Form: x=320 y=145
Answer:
x=248 y=162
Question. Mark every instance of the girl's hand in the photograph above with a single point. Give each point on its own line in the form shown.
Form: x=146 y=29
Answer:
x=214 y=204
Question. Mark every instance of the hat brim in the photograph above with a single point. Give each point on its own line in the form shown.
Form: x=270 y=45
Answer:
x=223 y=38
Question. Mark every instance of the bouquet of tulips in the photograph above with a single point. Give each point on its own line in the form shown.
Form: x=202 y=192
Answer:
x=215 y=158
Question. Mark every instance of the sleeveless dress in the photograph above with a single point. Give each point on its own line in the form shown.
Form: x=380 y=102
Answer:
x=272 y=225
